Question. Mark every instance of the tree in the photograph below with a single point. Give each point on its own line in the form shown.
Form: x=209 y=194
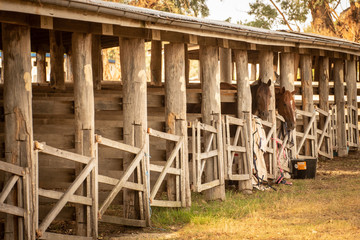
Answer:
x=325 y=21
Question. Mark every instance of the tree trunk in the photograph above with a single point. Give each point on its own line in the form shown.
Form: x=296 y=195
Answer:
x=322 y=22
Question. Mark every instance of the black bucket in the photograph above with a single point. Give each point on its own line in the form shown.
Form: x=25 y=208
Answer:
x=303 y=168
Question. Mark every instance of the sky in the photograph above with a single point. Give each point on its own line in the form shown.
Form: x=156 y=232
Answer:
x=237 y=10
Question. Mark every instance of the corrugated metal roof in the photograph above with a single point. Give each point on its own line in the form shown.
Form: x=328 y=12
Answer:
x=123 y=10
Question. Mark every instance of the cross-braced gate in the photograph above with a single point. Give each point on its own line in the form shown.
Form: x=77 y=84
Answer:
x=69 y=196
x=324 y=135
x=285 y=145
x=21 y=178
x=309 y=134
x=236 y=147
x=352 y=132
x=139 y=184
x=207 y=146
x=270 y=149
x=174 y=165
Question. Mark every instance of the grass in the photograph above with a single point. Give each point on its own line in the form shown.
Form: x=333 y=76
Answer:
x=327 y=207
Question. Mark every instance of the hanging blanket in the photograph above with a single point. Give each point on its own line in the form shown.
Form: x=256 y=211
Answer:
x=259 y=147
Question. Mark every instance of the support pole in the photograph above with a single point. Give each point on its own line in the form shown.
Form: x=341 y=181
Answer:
x=351 y=92
x=41 y=66
x=287 y=71
x=84 y=120
x=210 y=104
x=340 y=107
x=323 y=89
x=266 y=73
x=225 y=65
x=57 y=78
x=133 y=72
x=18 y=124
x=244 y=111
x=156 y=63
x=187 y=64
x=307 y=93
x=175 y=106
x=97 y=63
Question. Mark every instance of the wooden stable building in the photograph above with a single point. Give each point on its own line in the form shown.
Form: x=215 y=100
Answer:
x=91 y=151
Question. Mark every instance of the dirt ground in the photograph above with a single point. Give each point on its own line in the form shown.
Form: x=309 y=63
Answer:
x=327 y=207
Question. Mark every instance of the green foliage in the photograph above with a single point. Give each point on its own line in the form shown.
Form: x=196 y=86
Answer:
x=265 y=15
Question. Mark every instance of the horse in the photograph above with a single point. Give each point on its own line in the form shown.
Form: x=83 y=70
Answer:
x=285 y=104
x=260 y=93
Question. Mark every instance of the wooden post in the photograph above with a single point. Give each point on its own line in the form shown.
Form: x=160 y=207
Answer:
x=244 y=108
x=97 y=63
x=84 y=117
x=210 y=104
x=323 y=87
x=133 y=72
x=225 y=65
x=307 y=92
x=156 y=63
x=57 y=78
x=340 y=107
x=266 y=73
x=41 y=66
x=287 y=71
x=18 y=121
x=175 y=103
x=253 y=72
x=187 y=65
x=69 y=72
x=351 y=93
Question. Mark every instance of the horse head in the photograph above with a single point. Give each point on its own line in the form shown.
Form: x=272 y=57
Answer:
x=261 y=99
x=285 y=103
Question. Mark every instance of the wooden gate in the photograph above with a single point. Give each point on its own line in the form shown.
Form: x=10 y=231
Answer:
x=174 y=165
x=352 y=133
x=21 y=178
x=324 y=135
x=140 y=184
x=270 y=149
x=285 y=145
x=308 y=134
x=236 y=146
x=211 y=150
x=69 y=196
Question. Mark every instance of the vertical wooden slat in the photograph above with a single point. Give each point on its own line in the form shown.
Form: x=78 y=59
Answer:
x=17 y=110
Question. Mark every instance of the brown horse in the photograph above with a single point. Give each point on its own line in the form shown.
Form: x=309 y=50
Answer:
x=285 y=104
x=261 y=95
